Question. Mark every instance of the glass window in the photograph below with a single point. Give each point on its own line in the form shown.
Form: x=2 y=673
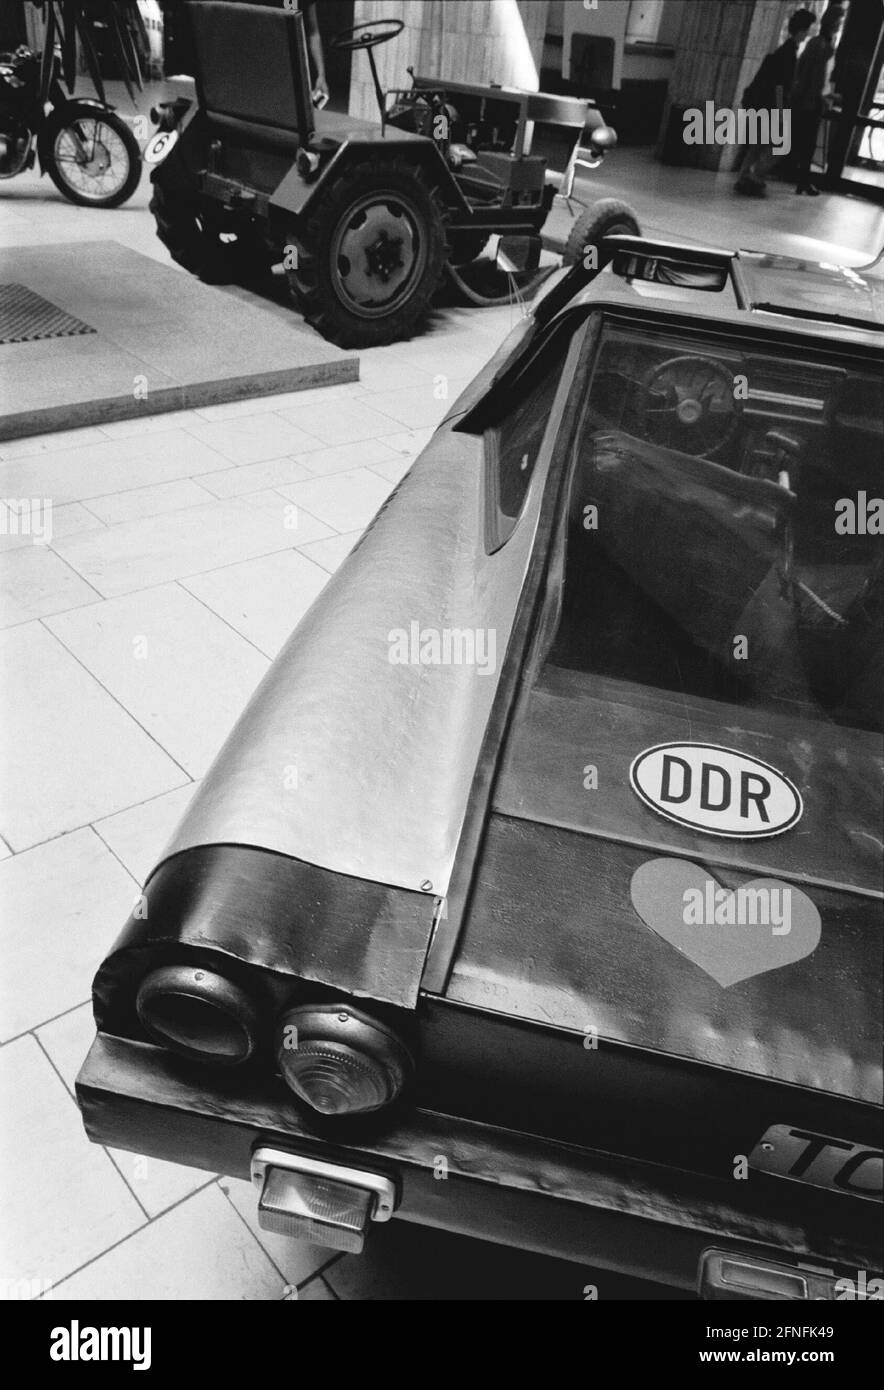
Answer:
x=724 y=531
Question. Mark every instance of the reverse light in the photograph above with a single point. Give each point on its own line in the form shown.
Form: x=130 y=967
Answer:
x=198 y=1013
x=340 y=1061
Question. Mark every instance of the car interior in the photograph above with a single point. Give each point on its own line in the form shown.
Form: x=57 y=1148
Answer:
x=701 y=514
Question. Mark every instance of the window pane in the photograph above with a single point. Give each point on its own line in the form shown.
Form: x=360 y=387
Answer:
x=513 y=442
x=722 y=535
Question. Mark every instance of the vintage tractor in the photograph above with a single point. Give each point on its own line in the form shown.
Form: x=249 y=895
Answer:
x=365 y=219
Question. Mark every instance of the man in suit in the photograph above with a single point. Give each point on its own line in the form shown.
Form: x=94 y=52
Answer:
x=809 y=97
x=768 y=91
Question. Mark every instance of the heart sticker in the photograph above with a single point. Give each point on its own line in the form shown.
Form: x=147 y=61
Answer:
x=730 y=934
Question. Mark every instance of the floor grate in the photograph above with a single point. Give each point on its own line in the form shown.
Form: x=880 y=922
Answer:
x=25 y=317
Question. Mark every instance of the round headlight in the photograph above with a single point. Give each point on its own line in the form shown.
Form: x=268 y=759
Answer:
x=198 y=1013
x=339 y=1060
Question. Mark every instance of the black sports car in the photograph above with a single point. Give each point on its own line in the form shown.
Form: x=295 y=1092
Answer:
x=546 y=860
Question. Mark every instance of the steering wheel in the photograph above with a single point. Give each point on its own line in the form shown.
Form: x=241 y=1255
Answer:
x=688 y=404
x=367 y=35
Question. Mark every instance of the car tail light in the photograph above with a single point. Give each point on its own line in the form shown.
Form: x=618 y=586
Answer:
x=198 y=1013
x=340 y=1061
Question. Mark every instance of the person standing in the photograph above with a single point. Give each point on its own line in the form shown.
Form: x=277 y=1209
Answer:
x=768 y=91
x=809 y=98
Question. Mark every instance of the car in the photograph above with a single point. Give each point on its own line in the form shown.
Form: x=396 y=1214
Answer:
x=365 y=219
x=536 y=894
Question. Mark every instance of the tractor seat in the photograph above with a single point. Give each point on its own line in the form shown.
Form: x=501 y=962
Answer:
x=251 y=72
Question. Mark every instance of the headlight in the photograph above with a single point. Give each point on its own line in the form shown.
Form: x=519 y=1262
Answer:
x=604 y=137
x=339 y=1060
x=198 y=1013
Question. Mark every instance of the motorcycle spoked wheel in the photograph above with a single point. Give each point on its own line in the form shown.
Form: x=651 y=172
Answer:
x=91 y=155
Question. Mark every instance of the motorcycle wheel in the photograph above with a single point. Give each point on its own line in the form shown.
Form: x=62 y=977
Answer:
x=91 y=155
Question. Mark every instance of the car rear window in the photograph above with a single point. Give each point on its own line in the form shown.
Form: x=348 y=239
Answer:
x=724 y=526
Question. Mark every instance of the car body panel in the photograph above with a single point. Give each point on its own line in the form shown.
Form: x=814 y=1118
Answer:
x=510 y=1187
x=438 y=856
x=385 y=753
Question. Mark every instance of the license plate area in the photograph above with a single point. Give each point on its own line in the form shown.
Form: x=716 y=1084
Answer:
x=325 y=1203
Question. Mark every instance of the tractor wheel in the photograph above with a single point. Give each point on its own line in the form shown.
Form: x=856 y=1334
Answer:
x=369 y=254
x=601 y=219
x=197 y=245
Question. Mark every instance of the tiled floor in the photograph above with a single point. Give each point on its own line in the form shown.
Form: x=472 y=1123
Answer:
x=184 y=548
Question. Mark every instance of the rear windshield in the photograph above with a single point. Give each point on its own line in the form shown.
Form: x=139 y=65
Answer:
x=724 y=528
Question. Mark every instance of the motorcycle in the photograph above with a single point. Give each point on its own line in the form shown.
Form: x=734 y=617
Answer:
x=87 y=149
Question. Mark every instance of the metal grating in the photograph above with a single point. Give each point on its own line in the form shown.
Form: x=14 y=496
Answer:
x=26 y=317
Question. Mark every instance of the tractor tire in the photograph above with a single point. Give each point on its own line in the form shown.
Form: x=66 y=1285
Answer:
x=378 y=223
x=197 y=247
x=599 y=220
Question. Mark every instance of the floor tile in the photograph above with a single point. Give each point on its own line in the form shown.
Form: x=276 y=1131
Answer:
x=39 y=443
x=415 y=406
x=156 y=1184
x=389 y=375
x=253 y=438
x=181 y=671
x=151 y=424
x=137 y=554
x=410 y=442
x=67 y=1039
x=70 y=753
x=297 y=1260
x=149 y=501
x=198 y=1251
x=259 y=405
x=394 y=470
x=34 y=581
x=253 y=477
x=342 y=457
x=345 y=501
x=263 y=599
x=50 y=523
x=63 y=1201
x=331 y=552
x=114 y=465
x=159 y=1185
x=338 y=422
x=138 y=836
x=62 y=905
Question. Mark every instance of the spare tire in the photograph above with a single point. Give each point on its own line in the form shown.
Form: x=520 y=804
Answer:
x=604 y=218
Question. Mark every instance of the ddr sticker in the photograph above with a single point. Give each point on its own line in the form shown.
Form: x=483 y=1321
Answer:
x=715 y=790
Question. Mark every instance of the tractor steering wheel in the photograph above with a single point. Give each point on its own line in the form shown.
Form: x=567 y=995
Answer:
x=367 y=34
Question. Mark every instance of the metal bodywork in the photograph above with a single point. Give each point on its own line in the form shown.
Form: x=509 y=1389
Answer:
x=591 y=1087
